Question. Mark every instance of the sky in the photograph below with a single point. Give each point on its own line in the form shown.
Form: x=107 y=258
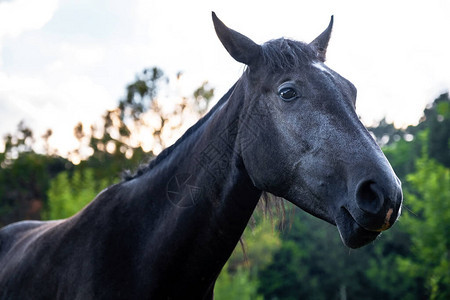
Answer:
x=66 y=61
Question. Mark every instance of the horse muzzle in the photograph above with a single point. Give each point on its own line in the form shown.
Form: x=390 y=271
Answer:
x=373 y=210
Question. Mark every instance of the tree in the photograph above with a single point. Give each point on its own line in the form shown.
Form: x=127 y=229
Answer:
x=418 y=246
x=435 y=120
x=138 y=128
x=312 y=263
x=239 y=285
x=238 y=279
x=107 y=149
x=258 y=244
x=25 y=176
x=429 y=228
x=438 y=116
x=386 y=133
x=68 y=194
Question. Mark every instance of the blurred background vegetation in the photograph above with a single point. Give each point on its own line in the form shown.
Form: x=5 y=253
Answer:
x=288 y=255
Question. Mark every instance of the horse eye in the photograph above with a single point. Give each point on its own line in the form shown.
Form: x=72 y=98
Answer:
x=287 y=93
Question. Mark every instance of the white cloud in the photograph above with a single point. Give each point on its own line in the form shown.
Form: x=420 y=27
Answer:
x=43 y=105
x=21 y=15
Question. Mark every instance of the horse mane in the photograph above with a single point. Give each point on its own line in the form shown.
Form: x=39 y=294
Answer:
x=285 y=54
x=127 y=175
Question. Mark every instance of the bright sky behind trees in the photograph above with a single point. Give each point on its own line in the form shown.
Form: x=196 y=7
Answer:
x=65 y=61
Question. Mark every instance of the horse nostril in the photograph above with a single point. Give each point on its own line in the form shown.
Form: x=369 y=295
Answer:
x=369 y=197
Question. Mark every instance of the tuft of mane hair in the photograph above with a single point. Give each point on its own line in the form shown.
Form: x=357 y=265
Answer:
x=285 y=54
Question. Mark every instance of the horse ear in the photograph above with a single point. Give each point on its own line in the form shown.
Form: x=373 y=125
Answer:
x=320 y=44
x=240 y=47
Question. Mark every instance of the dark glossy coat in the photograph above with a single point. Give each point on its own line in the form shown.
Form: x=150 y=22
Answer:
x=287 y=127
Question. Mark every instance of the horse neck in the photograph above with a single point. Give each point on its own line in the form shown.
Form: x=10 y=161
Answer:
x=205 y=174
x=192 y=207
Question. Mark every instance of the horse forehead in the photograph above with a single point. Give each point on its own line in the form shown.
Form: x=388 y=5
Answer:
x=321 y=67
x=334 y=79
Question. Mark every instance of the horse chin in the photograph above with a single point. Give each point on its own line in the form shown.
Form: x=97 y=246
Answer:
x=352 y=234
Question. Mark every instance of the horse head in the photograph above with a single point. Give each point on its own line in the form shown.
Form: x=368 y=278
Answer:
x=312 y=148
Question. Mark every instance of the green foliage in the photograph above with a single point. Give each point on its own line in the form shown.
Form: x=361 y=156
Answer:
x=439 y=140
x=280 y=279
x=312 y=263
x=238 y=279
x=404 y=146
x=239 y=285
x=429 y=228
x=25 y=176
x=69 y=194
x=259 y=242
x=402 y=155
x=382 y=272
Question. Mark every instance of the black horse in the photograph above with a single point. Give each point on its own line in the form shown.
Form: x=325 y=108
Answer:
x=287 y=127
